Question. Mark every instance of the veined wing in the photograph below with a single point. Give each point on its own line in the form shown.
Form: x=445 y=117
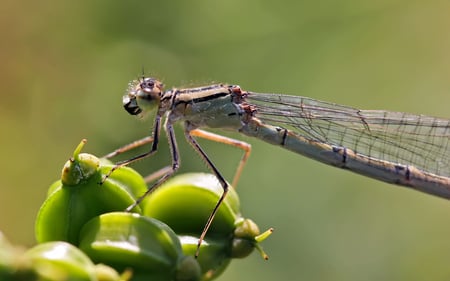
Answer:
x=401 y=138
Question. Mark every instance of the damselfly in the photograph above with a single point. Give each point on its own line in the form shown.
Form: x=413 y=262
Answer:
x=399 y=148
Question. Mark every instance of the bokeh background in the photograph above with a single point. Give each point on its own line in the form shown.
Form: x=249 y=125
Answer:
x=64 y=66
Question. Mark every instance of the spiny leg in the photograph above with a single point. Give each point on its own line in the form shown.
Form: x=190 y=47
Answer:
x=246 y=147
x=158 y=174
x=138 y=143
x=129 y=147
x=154 y=148
x=197 y=133
x=221 y=179
x=165 y=172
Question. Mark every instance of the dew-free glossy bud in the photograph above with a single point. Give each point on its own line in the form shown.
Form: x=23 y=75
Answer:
x=83 y=193
x=12 y=264
x=60 y=261
x=148 y=246
x=214 y=255
x=247 y=237
x=186 y=201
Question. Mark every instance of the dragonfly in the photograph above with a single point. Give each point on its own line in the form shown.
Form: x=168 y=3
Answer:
x=395 y=147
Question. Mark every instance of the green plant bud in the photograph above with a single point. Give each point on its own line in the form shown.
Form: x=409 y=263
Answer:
x=83 y=193
x=147 y=246
x=53 y=187
x=246 y=238
x=186 y=201
x=12 y=264
x=60 y=261
x=127 y=179
x=79 y=169
x=215 y=254
x=107 y=273
x=8 y=253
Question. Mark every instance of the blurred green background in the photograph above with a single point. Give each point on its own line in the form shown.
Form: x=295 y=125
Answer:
x=65 y=65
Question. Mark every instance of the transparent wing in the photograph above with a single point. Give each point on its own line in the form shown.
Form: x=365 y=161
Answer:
x=397 y=137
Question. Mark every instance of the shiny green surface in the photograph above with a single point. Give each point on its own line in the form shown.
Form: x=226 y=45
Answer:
x=65 y=66
x=79 y=197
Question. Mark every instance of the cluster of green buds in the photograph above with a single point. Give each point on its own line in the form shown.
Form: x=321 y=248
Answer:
x=84 y=234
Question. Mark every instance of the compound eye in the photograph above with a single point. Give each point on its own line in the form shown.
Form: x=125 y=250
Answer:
x=147 y=85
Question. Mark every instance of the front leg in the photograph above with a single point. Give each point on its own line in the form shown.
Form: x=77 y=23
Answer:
x=154 y=148
x=165 y=172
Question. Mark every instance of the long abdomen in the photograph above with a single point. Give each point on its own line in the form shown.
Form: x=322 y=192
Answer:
x=394 y=173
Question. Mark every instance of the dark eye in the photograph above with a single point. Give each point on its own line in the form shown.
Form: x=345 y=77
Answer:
x=131 y=106
x=148 y=84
